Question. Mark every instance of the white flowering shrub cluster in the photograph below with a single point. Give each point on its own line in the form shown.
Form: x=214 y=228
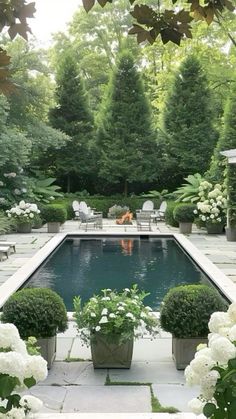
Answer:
x=211 y=207
x=119 y=316
x=24 y=212
x=214 y=368
x=18 y=371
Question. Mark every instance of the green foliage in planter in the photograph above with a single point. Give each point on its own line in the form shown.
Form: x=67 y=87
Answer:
x=186 y=310
x=169 y=214
x=38 y=312
x=54 y=214
x=183 y=213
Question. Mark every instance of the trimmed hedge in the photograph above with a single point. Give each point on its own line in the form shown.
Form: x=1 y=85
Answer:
x=104 y=203
x=169 y=214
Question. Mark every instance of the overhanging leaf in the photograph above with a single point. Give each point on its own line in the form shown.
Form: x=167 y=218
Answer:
x=88 y=4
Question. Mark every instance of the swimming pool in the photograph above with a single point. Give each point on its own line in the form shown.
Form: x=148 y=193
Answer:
x=84 y=266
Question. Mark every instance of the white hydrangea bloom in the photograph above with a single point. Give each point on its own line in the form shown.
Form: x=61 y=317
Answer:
x=219 y=319
x=36 y=367
x=112 y=315
x=191 y=377
x=232 y=334
x=92 y=314
x=14 y=413
x=13 y=363
x=232 y=311
x=97 y=328
x=9 y=335
x=31 y=402
x=202 y=364
x=203 y=352
x=222 y=350
x=208 y=383
x=196 y=406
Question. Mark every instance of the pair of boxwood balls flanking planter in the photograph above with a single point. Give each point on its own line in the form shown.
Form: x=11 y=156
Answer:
x=185 y=312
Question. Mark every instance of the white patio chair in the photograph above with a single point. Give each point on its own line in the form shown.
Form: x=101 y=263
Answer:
x=4 y=250
x=12 y=245
x=89 y=217
x=76 y=208
x=148 y=206
x=160 y=213
x=143 y=219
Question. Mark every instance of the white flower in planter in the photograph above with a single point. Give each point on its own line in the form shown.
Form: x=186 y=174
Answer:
x=104 y=319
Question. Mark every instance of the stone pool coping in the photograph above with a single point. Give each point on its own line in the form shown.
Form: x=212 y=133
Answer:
x=218 y=278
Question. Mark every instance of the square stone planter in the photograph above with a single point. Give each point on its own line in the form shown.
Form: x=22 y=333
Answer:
x=230 y=234
x=48 y=348
x=183 y=350
x=110 y=355
x=185 y=228
x=53 y=227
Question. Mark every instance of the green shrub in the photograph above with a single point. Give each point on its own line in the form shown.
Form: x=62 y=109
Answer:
x=38 y=312
x=183 y=213
x=54 y=213
x=186 y=310
x=169 y=214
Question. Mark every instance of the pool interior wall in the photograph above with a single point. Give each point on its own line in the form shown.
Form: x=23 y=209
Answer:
x=226 y=287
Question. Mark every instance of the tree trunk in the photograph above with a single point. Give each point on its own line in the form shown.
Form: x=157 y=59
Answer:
x=68 y=184
x=126 y=188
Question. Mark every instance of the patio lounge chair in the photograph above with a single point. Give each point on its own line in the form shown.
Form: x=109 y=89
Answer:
x=11 y=244
x=89 y=217
x=160 y=213
x=4 y=250
x=144 y=220
x=76 y=208
x=147 y=206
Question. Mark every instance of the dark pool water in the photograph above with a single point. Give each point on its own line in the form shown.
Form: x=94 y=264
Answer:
x=85 y=266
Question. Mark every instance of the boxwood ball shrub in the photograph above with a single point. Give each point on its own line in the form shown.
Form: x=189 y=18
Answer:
x=38 y=312
x=186 y=310
x=183 y=213
x=54 y=214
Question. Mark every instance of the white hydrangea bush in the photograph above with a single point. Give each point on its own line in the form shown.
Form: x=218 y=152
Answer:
x=214 y=368
x=24 y=212
x=212 y=203
x=18 y=371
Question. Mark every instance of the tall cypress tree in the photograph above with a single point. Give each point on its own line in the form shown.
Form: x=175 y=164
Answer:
x=126 y=139
x=227 y=138
x=188 y=121
x=72 y=116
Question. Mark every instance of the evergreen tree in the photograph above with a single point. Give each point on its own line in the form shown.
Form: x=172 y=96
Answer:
x=72 y=116
x=227 y=138
x=188 y=122
x=126 y=139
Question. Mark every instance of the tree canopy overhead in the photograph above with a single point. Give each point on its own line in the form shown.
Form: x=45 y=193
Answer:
x=174 y=23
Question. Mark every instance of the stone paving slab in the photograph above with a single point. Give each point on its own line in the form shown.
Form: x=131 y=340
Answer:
x=77 y=373
x=149 y=372
x=108 y=399
x=52 y=397
x=177 y=395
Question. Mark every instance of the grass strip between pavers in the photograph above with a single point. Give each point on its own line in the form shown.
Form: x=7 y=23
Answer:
x=156 y=405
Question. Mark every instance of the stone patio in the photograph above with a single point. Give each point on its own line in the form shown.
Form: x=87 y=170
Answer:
x=74 y=386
